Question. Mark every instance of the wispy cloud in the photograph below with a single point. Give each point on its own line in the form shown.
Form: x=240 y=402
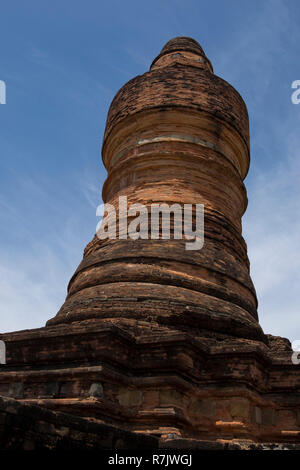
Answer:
x=45 y=222
x=31 y=288
x=43 y=248
x=257 y=63
x=272 y=228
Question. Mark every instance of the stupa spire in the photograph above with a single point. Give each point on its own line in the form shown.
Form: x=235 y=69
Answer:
x=175 y=135
x=182 y=50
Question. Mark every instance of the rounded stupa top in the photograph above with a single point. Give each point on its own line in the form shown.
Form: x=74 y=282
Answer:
x=183 y=50
x=182 y=43
x=180 y=77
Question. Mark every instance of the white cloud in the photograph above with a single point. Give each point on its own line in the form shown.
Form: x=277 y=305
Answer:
x=53 y=227
x=43 y=246
x=258 y=62
x=272 y=228
x=31 y=290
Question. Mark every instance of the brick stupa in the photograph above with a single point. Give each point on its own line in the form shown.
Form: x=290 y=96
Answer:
x=152 y=338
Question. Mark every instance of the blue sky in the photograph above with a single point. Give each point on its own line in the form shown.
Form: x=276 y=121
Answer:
x=63 y=61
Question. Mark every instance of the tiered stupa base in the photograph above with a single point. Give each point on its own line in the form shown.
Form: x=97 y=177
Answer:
x=148 y=378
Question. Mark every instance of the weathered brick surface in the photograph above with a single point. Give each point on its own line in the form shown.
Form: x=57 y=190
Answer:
x=182 y=86
x=177 y=134
x=30 y=427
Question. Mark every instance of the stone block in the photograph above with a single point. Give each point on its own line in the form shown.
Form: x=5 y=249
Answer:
x=28 y=445
x=170 y=397
x=151 y=399
x=257 y=415
x=239 y=408
x=96 y=390
x=130 y=397
x=206 y=407
x=2 y=419
x=269 y=416
x=16 y=390
x=52 y=389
